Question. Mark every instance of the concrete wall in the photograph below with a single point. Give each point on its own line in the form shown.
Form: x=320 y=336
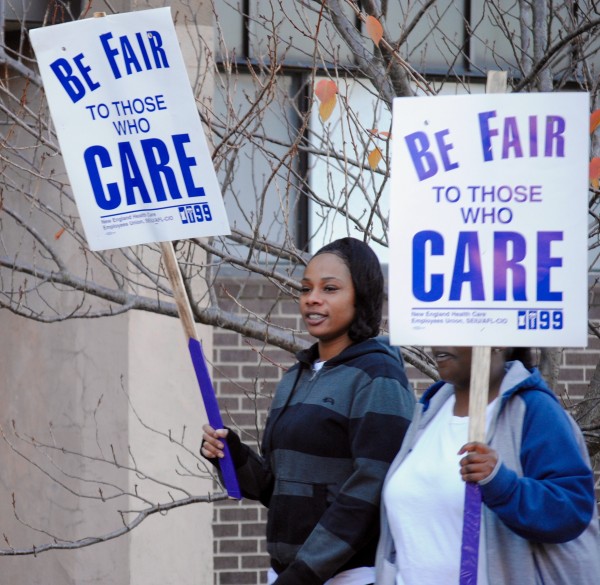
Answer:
x=76 y=385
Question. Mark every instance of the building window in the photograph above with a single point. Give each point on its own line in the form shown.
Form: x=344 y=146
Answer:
x=453 y=43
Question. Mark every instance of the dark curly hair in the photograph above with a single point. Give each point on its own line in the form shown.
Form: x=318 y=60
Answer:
x=367 y=279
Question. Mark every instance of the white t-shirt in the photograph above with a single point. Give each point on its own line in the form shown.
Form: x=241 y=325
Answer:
x=317 y=365
x=358 y=576
x=424 y=500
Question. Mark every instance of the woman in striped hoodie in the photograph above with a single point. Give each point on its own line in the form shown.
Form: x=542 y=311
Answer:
x=337 y=420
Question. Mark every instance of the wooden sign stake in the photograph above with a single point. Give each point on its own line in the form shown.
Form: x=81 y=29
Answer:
x=195 y=347
x=478 y=400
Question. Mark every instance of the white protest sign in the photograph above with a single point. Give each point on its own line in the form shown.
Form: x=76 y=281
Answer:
x=129 y=130
x=488 y=220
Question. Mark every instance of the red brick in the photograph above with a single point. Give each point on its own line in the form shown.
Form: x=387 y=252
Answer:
x=238 y=546
x=226 y=530
x=228 y=562
x=580 y=358
x=238 y=515
x=288 y=307
x=227 y=371
x=245 y=419
x=222 y=337
x=255 y=562
x=251 y=291
x=229 y=403
x=257 y=529
x=289 y=323
x=261 y=372
x=237 y=355
x=251 y=402
x=246 y=578
x=571 y=374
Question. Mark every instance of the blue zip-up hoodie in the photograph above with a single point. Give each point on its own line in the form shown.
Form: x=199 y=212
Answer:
x=328 y=442
x=539 y=519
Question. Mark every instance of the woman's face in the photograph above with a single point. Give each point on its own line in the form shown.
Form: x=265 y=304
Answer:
x=327 y=301
x=454 y=364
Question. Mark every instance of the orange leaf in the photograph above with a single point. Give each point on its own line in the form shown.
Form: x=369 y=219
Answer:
x=325 y=90
x=594 y=120
x=374 y=157
x=374 y=29
x=595 y=171
x=326 y=108
x=59 y=233
x=379 y=133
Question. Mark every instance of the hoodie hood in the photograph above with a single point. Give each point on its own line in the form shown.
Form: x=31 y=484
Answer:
x=380 y=344
x=517 y=379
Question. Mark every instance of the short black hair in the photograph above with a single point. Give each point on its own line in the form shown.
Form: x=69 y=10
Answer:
x=367 y=279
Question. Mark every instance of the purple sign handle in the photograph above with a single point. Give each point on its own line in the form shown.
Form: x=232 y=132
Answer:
x=214 y=416
x=469 y=553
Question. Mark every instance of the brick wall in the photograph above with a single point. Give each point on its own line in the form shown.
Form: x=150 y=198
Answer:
x=245 y=374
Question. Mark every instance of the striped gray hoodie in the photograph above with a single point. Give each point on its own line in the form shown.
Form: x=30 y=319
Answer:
x=329 y=439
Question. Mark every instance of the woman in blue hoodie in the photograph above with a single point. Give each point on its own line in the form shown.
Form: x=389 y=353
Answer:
x=539 y=515
x=336 y=421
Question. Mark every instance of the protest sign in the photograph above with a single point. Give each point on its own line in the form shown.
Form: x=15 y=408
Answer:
x=488 y=220
x=135 y=150
x=129 y=129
